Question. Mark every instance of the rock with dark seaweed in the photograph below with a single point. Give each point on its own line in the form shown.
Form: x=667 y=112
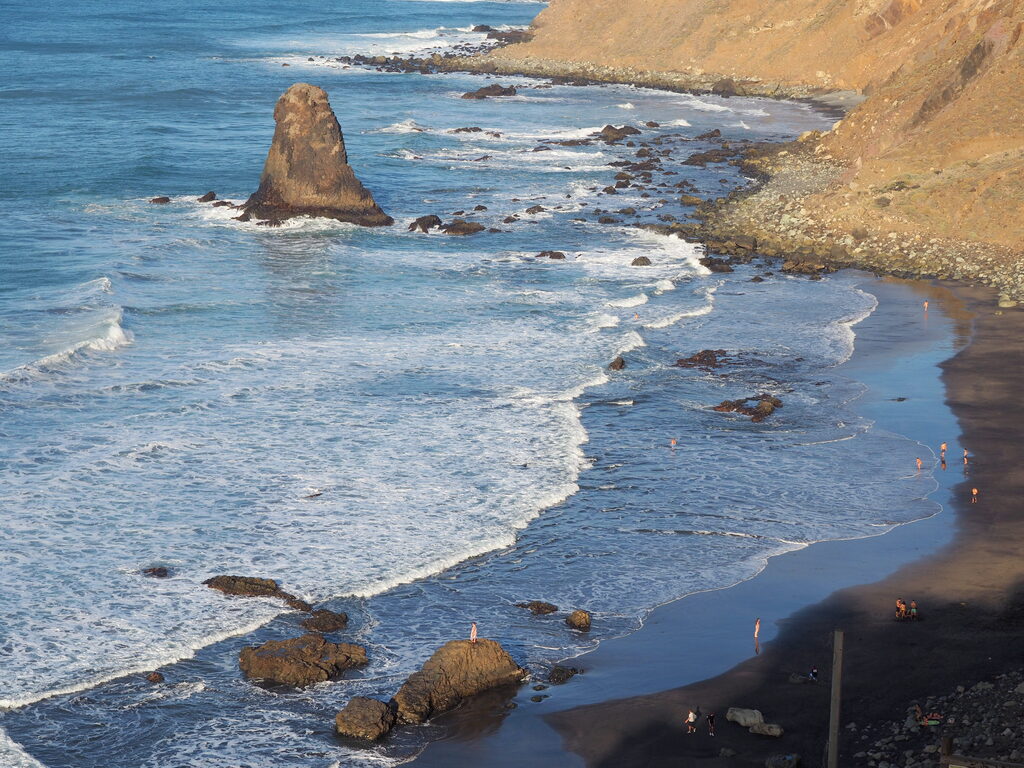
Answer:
x=706 y=358
x=300 y=661
x=425 y=223
x=462 y=227
x=490 y=91
x=764 y=406
x=538 y=607
x=323 y=620
x=252 y=586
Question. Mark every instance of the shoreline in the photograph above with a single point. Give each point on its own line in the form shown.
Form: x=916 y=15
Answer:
x=677 y=645
x=969 y=591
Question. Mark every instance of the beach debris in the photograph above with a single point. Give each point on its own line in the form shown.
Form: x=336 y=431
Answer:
x=766 y=406
x=160 y=200
x=538 y=607
x=457 y=670
x=706 y=358
x=323 y=620
x=252 y=586
x=462 y=227
x=617 y=364
x=209 y=197
x=155 y=677
x=490 y=91
x=560 y=674
x=300 y=661
x=307 y=172
x=365 y=718
x=579 y=619
x=640 y=261
x=425 y=223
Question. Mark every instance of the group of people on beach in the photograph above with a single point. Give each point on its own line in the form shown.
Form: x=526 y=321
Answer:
x=903 y=612
x=694 y=715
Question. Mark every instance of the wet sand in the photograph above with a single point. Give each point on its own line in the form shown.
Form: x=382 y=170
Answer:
x=961 y=566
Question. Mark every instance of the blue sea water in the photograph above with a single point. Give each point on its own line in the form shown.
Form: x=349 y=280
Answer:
x=416 y=429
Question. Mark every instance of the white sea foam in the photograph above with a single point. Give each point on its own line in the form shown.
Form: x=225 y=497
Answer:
x=632 y=301
x=13 y=756
x=404 y=126
x=626 y=105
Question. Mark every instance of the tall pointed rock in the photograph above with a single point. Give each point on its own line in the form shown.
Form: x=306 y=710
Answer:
x=307 y=171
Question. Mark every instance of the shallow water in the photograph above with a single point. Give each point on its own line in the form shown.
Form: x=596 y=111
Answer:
x=419 y=429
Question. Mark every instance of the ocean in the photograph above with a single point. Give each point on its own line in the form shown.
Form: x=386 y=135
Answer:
x=420 y=430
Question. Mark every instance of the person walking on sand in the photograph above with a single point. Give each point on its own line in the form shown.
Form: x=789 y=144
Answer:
x=711 y=723
x=942 y=450
x=974 y=495
x=472 y=633
x=913 y=610
x=691 y=722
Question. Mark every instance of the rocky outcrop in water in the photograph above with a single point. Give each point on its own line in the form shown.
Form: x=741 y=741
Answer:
x=366 y=719
x=307 y=172
x=765 y=405
x=462 y=227
x=457 y=670
x=579 y=619
x=251 y=586
x=300 y=661
x=425 y=223
x=325 y=621
x=706 y=358
x=490 y=91
x=538 y=607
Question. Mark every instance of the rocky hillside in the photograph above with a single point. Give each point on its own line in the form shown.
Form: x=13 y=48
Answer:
x=936 y=148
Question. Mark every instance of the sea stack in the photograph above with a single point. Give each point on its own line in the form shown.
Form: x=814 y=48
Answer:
x=307 y=171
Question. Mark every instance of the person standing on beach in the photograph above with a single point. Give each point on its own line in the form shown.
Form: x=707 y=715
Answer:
x=942 y=450
x=974 y=495
x=691 y=722
x=711 y=723
x=965 y=457
x=925 y=305
x=757 y=627
x=472 y=633
x=919 y=463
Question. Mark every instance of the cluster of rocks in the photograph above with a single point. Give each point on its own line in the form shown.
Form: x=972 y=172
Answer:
x=577 y=619
x=753 y=720
x=456 y=671
x=706 y=358
x=764 y=406
x=983 y=721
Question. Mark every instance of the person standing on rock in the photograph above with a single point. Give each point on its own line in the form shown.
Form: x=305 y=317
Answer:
x=472 y=633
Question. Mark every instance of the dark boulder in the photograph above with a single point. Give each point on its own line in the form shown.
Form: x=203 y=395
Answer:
x=538 y=607
x=617 y=364
x=307 y=172
x=457 y=670
x=209 y=197
x=579 y=619
x=250 y=586
x=610 y=134
x=155 y=677
x=560 y=674
x=536 y=209
x=470 y=129
x=160 y=200
x=551 y=255
x=462 y=227
x=483 y=28
x=709 y=135
x=323 y=620
x=764 y=406
x=425 y=223
x=640 y=261
x=221 y=204
x=716 y=264
x=511 y=36
x=366 y=719
x=300 y=661
x=490 y=91
x=156 y=572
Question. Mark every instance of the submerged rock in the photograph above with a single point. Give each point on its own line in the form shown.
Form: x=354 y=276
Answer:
x=252 y=586
x=579 y=619
x=618 y=363
x=462 y=227
x=457 y=670
x=300 y=661
x=160 y=200
x=364 y=718
x=538 y=607
x=489 y=91
x=765 y=406
x=307 y=172
x=155 y=677
x=706 y=358
x=156 y=572
x=325 y=621
x=557 y=255
x=559 y=674
x=640 y=261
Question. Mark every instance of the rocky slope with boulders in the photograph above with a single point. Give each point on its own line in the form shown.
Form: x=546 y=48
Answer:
x=925 y=175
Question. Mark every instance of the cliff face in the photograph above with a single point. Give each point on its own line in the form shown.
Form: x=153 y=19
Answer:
x=940 y=135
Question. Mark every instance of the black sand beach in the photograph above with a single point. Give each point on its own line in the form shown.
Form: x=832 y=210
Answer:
x=957 y=565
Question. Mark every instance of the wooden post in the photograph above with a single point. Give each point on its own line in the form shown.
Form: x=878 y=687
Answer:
x=837 y=682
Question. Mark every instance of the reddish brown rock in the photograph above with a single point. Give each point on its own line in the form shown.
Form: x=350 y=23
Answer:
x=617 y=364
x=579 y=619
x=706 y=358
x=366 y=719
x=300 y=661
x=251 y=586
x=462 y=227
x=155 y=677
x=307 y=171
x=325 y=621
x=538 y=607
x=457 y=670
